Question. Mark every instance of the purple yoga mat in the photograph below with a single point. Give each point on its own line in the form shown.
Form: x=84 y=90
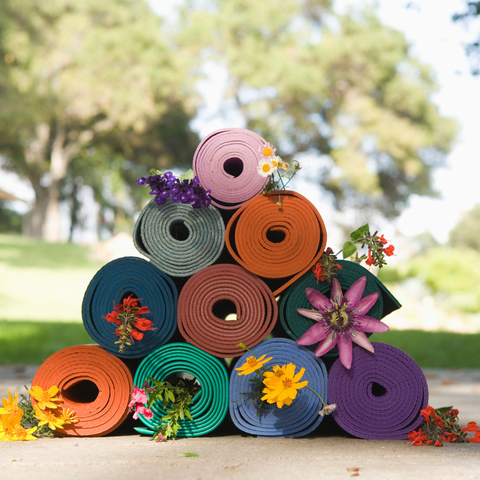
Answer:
x=381 y=396
x=226 y=163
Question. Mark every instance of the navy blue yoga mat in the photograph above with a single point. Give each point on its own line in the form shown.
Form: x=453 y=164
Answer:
x=119 y=279
x=295 y=420
x=381 y=396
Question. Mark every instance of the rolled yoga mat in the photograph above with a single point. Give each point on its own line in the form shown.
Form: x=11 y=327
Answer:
x=381 y=396
x=211 y=295
x=277 y=242
x=179 y=239
x=226 y=163
x=209 y=406
x=295 y=420
x=119 y=279
x=295 y=325
x=92 y=382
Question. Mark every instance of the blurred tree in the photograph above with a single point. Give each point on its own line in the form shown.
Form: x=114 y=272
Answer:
x=466 y=234
x=79 y=83
x=342 y=87
x=471 y=13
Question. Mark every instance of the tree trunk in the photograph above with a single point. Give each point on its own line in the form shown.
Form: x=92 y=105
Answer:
x=52 y=231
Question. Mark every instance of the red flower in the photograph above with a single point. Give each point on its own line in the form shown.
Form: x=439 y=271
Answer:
x=136 y=335
x=389 y=250
x=143 y=324
x=142 y=310
x=113 y=317
x=382 y=239
x=427 y=413
x=438 y=443
x=438 y=421
x=339 y=266
x=452 y=413
x=471 y=427
x=475 y=438
x=369 y=261
x=318 y=272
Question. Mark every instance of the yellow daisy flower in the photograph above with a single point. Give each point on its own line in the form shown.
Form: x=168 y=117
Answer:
x=10 y=409
x=47 y=417
x=45 y=398
x=284 y=389
x=21 y=435
x=68 y=416
x=266 y=168
x=252 y=364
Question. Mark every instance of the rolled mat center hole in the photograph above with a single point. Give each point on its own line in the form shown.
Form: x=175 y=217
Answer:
x=175 y=377
x=225 y=309
x=233 y=166
x=83 y=391
x=378 y=390
x=275 y=236
x=179 y=231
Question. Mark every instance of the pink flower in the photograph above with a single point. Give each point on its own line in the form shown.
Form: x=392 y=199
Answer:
x=142 y=410
x=341 y=320
x=138 y=396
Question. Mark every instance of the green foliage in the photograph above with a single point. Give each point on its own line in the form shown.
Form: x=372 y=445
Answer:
x=436 y=349
x=175 y=400
x=342 y=87
x=10 y=220
x=87 y=82
x=466 y=234
x=473 y=48
x=31 y=343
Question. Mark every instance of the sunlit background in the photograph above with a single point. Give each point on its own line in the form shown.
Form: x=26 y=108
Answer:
x=163 y=85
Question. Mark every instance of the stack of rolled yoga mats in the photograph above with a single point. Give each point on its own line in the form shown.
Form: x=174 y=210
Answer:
x=233 y=272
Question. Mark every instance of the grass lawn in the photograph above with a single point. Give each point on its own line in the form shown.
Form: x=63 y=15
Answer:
x=41 y=281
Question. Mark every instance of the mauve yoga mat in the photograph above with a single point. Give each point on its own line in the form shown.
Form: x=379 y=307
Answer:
x=179 y=239
x=119 y=279
x=381 y=396
x=92 y=382
x=295 y=325
x=295 y=420
x=209 y=406
x=226 y=163
x=213 y=293
x=277 y=242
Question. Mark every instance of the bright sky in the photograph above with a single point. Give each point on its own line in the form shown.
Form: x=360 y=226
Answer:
x=437 y=41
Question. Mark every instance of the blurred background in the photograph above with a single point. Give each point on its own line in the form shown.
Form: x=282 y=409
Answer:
x=379 y=102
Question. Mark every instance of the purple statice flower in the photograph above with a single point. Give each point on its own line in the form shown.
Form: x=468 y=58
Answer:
x=341 y=320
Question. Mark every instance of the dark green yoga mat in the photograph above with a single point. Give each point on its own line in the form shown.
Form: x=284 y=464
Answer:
x=209 y=406
x=179 y=239
x=295 y=325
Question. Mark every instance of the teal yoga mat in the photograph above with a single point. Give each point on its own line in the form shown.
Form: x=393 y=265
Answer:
x=179 y=239
x=119 y=279
x=295 y=325
x=209 y=406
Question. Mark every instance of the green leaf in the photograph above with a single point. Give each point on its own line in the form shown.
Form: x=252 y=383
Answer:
x=187 y=176
x=441 y=410
x=154 y=171
x=189 y=416
x=359 y=233
x=348 y=249
x=187 y=455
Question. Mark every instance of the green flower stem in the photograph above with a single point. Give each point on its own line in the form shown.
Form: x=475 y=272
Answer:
x=321 y=399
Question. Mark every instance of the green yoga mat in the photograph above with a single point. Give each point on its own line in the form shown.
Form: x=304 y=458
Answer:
x=209 y=406
x=295 y=325
x=179 y=239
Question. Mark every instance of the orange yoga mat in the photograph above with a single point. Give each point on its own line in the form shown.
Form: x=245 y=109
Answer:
x=92 y=382
x=277 y=241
